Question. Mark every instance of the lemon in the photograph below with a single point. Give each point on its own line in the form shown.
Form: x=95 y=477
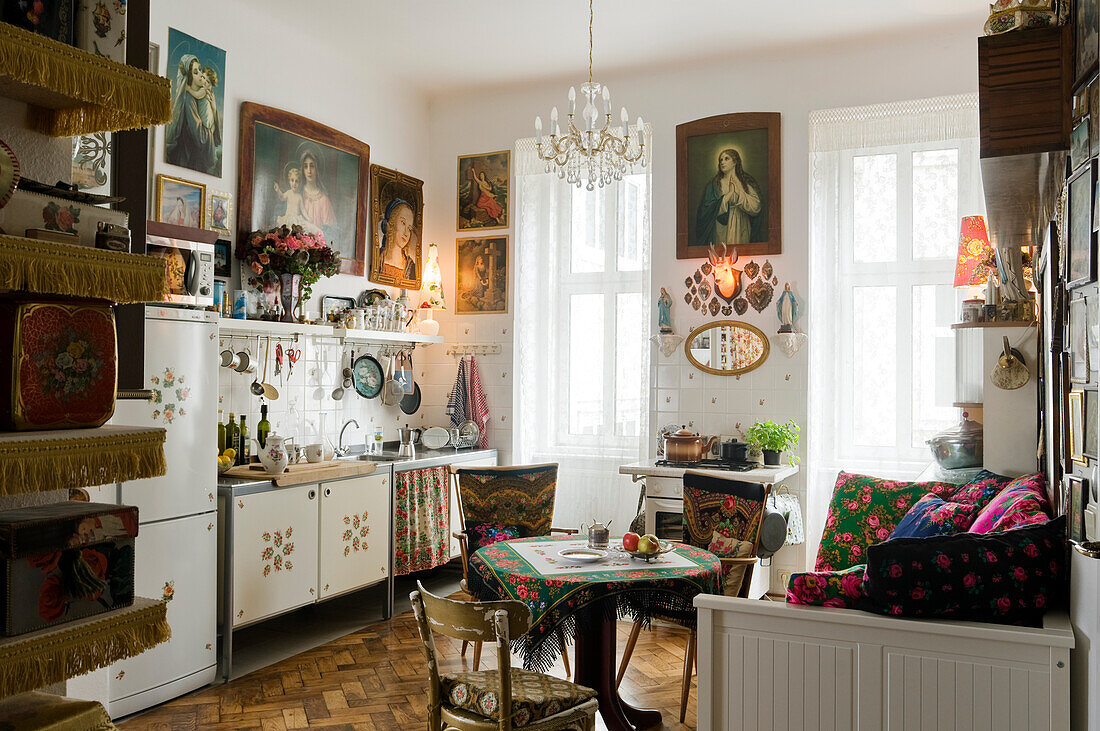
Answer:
x=230 y=453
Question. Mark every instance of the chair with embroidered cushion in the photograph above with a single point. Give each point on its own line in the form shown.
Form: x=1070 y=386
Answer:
x=721 y=515
x=500 y=503
x=505 y=698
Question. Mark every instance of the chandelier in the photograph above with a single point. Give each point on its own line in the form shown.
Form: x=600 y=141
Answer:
x=600 y=155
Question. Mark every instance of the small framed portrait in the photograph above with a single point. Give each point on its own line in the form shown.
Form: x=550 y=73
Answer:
x=481 y=275
x=223 y=255
x=1092 y=330
x=397 y=228
x=179 y=201
x=1076 y=491
x=218 y=208
x=1087 y=44
x=1080 y=143
x=1081 y=237
x=1078 y=341
x=1076 y=399
x=1092 y=424
x=484 y=181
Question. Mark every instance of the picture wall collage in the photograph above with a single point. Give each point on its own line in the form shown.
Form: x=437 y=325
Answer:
x=294 y=171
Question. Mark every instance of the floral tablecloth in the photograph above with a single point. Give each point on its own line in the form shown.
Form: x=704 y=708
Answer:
x=557 y=589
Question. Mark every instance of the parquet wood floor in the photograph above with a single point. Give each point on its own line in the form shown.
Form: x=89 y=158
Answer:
x=375 y=678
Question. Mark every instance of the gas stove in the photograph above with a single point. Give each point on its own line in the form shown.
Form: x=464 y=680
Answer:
x=709 y=464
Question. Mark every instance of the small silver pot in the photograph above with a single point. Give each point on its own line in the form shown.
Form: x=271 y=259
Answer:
x=959 y=447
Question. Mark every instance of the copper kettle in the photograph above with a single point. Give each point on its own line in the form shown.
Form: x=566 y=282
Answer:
x=686 y=446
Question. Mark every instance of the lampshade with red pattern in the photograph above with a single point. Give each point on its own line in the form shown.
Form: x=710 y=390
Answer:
x=975 y=253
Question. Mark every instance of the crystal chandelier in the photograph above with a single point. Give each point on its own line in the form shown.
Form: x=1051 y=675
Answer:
x=600 y=155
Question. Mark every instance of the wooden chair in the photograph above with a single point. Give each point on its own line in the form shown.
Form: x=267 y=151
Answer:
x=735 y=508
x=519 y=496
x=498 y=699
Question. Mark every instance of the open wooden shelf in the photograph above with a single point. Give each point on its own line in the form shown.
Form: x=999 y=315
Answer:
x=72 y=92
x=58 y=653
x=965 y=405
x=1000 y=323
x=41 y=461
x=293 y=330
x=46 y=267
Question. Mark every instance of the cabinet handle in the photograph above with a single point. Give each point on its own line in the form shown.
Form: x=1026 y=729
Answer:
x=312 y=494
x=328 y=491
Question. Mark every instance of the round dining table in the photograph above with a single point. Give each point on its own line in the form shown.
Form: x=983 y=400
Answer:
x=583 y=601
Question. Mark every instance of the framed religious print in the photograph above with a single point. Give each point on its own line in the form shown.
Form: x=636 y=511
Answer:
x=481 y=275
x=1077 y=427
x=180 y=201
x=397 y=228
x=218 y=207
x=1076 y=491
x=1078 y=341
x=1081 y=238
x=1092 y=422
x=297 y=172
x=1079 y=143
x=1087 y=45
x=223 y=255
x=193 y=137
x=728 y=186
x=484 y=181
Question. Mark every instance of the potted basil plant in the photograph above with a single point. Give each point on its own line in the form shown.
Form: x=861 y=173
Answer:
x=774 y=438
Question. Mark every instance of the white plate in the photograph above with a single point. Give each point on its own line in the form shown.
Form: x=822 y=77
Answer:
x=584 y=555
x=435 y=437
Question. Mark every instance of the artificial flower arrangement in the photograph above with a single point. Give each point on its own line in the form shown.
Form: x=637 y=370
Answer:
x=272 y=253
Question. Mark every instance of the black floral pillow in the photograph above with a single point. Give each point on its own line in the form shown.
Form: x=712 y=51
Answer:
x=486 y=534
x=1006 y=578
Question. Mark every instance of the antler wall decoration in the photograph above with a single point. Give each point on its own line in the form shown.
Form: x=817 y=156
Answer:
x=727 y=277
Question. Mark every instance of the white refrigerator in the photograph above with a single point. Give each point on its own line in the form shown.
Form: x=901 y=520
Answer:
x=176 y=547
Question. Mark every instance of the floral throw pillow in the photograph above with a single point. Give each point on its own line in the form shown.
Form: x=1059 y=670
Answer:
x=486 y=534
x=842 y=589
x=1007 y=578
x=931 y=516
x=1023 y=502
x=981 y=489
x=865 y=510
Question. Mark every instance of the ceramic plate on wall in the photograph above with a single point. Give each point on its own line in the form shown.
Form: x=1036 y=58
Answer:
x=366 y=375
x=435 y=437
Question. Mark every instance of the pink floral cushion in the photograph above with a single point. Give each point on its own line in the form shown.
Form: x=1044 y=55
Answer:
x=981 y=489
x=1022 y=502
x=865 y=510
x=842 y=589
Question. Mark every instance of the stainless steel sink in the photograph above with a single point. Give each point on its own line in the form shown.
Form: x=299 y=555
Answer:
x=383 y=457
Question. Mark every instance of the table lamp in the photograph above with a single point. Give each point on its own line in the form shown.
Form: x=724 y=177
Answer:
x=431 y=292
x=976 y=256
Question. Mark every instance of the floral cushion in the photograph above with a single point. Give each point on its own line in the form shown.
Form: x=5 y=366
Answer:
x=1023 y=502
x=534 y=696
x=843 y=589
x=733 y=575
x=865 y=510
x=981 y=489
x=486 y=534
x=931 y=516
x=1008 y=578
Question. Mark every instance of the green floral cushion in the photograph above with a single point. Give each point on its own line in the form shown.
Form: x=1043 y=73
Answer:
x=864 y=511
x=534 y=696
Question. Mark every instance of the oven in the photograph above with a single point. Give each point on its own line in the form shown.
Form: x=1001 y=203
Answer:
x=190 y=262
x=664 y=517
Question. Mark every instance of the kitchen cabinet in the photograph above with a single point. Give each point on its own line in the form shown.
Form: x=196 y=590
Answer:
x=456 y=519
x=354 y=539
x=273 y=552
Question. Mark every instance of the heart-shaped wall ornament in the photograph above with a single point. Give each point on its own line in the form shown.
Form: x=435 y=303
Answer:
x=687 y=297
x=752 y=269
x=695 y=303
x=714 y=307
x=706 y=268
x=704 y=289
x=698 y=276
x=687 y=281
x=727 y=310
x=693 y=290
x=741 y=305
x=759 y=294
x=775 y=280
x=767 y=270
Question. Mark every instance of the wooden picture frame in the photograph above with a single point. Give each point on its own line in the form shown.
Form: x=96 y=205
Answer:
x=1077 y=341
x=700 y=175
x=223 y=260
x=1079 y=143
x=1076 y=401
x=481 y=288
x=1077 y=491
x=337 y=204
x=484 y=185
x=180 y=201
x=1091 y=443
x=1080 y=259
x=397 y=228
x=1062 y=395
x=1086 y=46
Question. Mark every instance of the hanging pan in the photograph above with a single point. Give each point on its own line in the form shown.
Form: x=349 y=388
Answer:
x=410 y=403
x=367 y=376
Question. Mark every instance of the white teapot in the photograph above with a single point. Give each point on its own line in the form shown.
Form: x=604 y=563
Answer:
x=273 y=455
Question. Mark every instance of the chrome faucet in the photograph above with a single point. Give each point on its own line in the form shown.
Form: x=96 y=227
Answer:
x=341 y=449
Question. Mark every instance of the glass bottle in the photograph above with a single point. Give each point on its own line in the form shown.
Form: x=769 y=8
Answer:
x=221 y=432
x=232 y=439
x=242 y=453
x=263 y=427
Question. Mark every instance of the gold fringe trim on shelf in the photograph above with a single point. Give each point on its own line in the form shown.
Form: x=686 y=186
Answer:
x=77 y=92
x=104 y=455
x=45 y=267
x=56 y=654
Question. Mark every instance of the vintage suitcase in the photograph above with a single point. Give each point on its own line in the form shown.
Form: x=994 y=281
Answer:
x=65 y=561
x=62 y=372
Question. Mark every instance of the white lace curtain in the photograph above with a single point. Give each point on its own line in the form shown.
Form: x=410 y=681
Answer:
x=581 y=336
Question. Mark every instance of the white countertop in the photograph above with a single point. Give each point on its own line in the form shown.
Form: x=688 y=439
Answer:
x=763 y=475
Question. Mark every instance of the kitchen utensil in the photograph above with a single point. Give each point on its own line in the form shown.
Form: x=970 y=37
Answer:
x=273 y=455
x=733 y=451
x=229 y=359
x=583 y=555
x=269 y=392
x=338 y=390
x=773 y=532
x=454 y=436
x=410 y=403
x=366 y=376
x=687 y=446
x=244 y=362
x=598 y=534
x=435 y=437
x=315 y=452
x=278 y=359
x=403 y=374
x=1011 y=371
x=960 y=446
x=293 y=354
x=391 y=393
x=469 y=433
x=408 y=438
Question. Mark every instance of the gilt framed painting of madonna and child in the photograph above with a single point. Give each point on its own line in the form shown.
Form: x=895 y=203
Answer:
x=193 y=138
x=297 y=172
x=728 y=185
x=483 y=184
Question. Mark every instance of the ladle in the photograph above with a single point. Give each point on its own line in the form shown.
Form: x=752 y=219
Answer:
x=338 y=392
x=257 y=388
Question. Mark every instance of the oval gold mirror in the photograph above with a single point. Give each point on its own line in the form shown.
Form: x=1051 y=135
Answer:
x=727 y=347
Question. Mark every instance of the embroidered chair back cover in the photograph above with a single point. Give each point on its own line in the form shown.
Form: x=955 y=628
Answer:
x=521 y=496
x=728 y=506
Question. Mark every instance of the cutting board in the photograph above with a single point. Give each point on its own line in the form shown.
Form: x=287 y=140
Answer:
x=303 y=472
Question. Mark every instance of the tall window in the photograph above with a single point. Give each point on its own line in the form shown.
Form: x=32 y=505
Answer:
x=581 y=334
x=890 y=184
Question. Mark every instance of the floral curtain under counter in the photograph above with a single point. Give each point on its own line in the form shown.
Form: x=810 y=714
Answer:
x=421 y=520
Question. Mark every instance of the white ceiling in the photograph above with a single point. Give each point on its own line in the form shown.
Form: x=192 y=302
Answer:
x=441 y=46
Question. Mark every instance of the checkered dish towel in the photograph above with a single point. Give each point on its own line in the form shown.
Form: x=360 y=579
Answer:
x=456 y=404
x=477 y=405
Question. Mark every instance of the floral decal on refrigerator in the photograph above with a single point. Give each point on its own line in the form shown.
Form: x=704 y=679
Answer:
x=277 y=555
x=169 y=393
x=355 y=535
x=169 y=591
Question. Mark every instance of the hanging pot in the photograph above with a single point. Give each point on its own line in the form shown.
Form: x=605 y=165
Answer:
x=773 y=531
x=1011 y=370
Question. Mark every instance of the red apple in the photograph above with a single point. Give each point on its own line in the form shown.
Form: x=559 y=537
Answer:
x=630 y=541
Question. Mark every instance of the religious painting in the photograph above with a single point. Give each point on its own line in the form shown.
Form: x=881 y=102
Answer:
x=1088 y=43
x=728 y=186
x=1077 y=492
x=297 y=172
x=481 y=275
x=1081 y=239
x=397 y=228
x=193 y=137
x=180 y=201
x=218 y=206
x=483 y=184
x=222 y=259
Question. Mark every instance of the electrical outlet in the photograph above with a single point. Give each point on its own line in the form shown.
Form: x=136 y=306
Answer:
x=784 y=578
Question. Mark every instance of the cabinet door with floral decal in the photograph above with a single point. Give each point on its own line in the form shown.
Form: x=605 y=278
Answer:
x=274 y=552
x=355 y=533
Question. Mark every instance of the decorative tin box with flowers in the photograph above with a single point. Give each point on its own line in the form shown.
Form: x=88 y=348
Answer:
x=286 y=261
x=65 y=561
